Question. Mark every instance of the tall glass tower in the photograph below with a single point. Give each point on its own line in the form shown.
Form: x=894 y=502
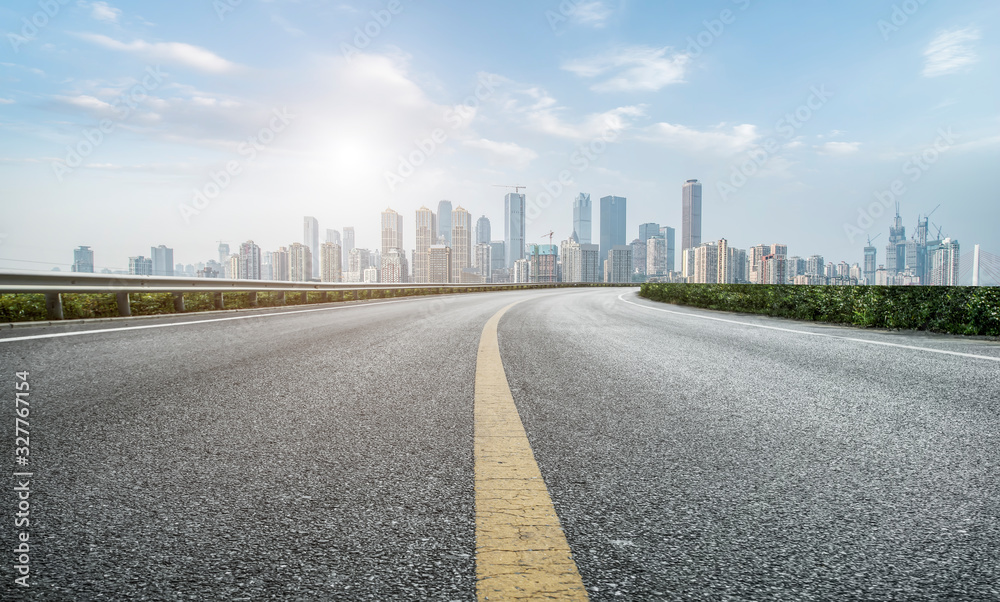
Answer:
x=513 y=227
x=612 y=224
x=483 y=232
x=444 y=221
x=582 y=212
x=691 y=226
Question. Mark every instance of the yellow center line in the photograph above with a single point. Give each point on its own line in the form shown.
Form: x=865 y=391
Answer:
x=521 y=550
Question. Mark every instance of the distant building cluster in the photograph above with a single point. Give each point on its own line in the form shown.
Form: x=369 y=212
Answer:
x=451 y=248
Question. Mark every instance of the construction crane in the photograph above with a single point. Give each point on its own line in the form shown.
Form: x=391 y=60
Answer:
x=517 y=189
x=939 y=229
x=550 y=235
x=928 y=216
x=871 y=240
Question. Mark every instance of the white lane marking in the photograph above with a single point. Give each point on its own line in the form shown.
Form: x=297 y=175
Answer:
x=813 y=334
x=145 y=327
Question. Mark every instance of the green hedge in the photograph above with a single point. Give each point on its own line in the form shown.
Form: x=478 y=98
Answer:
x=954 y=310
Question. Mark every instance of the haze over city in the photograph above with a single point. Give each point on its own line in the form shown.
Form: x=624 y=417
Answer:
x=118 y=114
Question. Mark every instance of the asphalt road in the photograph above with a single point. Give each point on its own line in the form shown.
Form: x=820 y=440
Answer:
x=327 y=455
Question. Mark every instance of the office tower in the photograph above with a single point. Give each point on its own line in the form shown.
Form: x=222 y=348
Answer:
x=514 y=226
x=310 y=238
x=483 y=231
x=691 y=210
x=482 y=260
x=569 y=251
x=461 y=242
x=233 y=267
x=267 y=265
x=706 y=263
x=638 y=257
x=871 y=262
x=331 y=264
x=499 y=254
x=300 y=263
x=358 y=261
x=395 y=268
x=895 y=250
x=669 y=235
x=439 y=264
x=522 y=271
x=426 y=237
x=163 y=260
x=348 y=245
x=83 y=260
x=281 y=265
x=544 y=260
x=333 y=236
x=582 y=215
x=945 y=260
x=392 y=230
x=223 y=253
x=581 y=263
x=612 y=224
x=370 y=275
x=647 y=231
x=249 y=268
x=618 y=265
x=687 y=264
x=444 y=223
x=656 y=256
x=724 y=263
x=140 y=266
x=738 y=265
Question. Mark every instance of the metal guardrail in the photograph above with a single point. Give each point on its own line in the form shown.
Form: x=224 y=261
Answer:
x=55 y=284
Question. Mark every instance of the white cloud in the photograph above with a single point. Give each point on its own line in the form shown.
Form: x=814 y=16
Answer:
x=951 y=52
x=288 y=27
x=168 y=52
x=593 y=13
x=634 y=68
x=839 y=148
x=736 y=140
x=6 y=101
x=504 y=153
x=103 y=12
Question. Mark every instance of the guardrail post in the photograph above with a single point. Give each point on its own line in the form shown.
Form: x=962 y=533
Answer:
x=252 y=299
x=179 y=302
x=324 y=297
x=124 y=309
x=53 y=306
x=220 y=303
x=279 y=298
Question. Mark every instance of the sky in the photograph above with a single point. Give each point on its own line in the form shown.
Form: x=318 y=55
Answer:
x=127 y=124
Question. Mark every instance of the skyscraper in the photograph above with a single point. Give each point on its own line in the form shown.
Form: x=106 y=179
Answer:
x=483 y=233
x=140 y=266
x=618 y=265
x=612 y=224
x=310 y=238
x=83 y=260
x=281 y=265
x=691 y=226
x=439 y=264
x=582 y=216
x=498 y=255
x=163 y=260
x=348 y=245
x=706 y=263
x=656 y=256
x=249 y=261
x=427 y=233
x=895 y=250
x=669 y=235
x=395 y=268
x=300 y=263
x=514 y=226
x=945 y=263
x=444 y=222
x=330 y=263
x=332 y=236
x=223 y=253
x=482 y=260
x=647 y=231
x=461 y=242
x=638 y=257
x=392 y=230
x=357 y=263
x=871 y=263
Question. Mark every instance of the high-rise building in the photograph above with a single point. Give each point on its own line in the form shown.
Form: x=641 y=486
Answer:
x=482 y=261
x=83 y=260
x=444 y=222
x=521 y=271
x=250 y=267
x=499 y=254
x=427 y=232
x=706 y=263
x=461 y=242
x=140 y=266
x=483 y=231
x=656 y=256
x=163 y=260
x=310 y=238
x=331 y=264
x=439 y=263
x=725 y=263
x=233 y=267
x=618 y=265
x=544 y=263
x=392 y=230
x=514 y=226
x=638 y=257
x=395 y=268
x=691 y=215
x=300 y=263
x=582 y=216
x=357 y=263
x=223 y=253
x=613 y=214
x=895 y=250
x=333 y=236
x=647 y=231
x=281 y=265
x=348 y=245
x=774 y=269
x=669 y=235
x=945 y=263
x=814 y=266
x=581 y=262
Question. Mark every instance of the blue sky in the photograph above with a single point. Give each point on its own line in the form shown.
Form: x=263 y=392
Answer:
x=231 y=119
